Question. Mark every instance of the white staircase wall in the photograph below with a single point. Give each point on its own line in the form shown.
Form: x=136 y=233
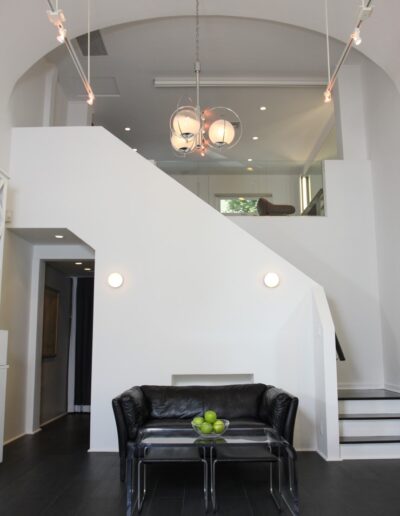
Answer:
x=193 y=300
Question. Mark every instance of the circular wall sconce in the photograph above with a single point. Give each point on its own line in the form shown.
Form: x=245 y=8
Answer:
x=115 y=279
x=271 y=279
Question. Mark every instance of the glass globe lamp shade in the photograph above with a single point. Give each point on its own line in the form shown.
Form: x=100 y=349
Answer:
x=185 y=122
x=221 y=133
x=182 y=145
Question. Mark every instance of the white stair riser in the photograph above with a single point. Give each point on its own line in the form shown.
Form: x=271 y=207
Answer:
x=370 y=451
x=369 y=427
x=369 y=406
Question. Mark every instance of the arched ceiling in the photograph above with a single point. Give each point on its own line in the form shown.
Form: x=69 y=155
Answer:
x=26 y=34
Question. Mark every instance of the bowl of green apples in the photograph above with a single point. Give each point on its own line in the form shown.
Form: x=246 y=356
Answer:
x=209 y=426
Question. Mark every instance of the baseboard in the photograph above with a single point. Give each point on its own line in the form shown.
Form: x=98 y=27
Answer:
x=52 y=420
x=80 y=409
x=357 y=386
x=94 y=450
x=392 y=387
x=14 y=439
x=327 y=459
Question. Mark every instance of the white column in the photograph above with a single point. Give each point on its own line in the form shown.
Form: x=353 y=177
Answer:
x=350 y=114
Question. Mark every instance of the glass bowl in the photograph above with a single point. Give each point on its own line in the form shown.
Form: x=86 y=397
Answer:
x=212 y=435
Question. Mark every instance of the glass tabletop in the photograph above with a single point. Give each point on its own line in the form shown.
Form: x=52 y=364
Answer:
x=264 y=436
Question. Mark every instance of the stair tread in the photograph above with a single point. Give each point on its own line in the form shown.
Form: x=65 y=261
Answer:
x=368 y=416
x=370 y=439
x=368 y=394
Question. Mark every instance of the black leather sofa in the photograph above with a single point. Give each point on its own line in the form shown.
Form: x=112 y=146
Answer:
x=145 y=409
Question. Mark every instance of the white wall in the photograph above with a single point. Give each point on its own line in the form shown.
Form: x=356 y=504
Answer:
x=55 y=369
x=14 y=317
x=339 y=252
x=193 y=280
x=382 y=108
x=283 y=187
x=27 y=102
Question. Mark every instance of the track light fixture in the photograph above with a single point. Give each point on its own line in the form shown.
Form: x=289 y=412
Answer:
x=57 y=18
x=366 y=9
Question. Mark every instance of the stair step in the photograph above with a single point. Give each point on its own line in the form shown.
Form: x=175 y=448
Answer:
x=368 y=394
x=362 y=451
x=362 y=439
x=363 y=406
x=360 y=417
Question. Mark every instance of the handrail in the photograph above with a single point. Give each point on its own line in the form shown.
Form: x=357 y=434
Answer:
x=339 y=350
x=314 y=203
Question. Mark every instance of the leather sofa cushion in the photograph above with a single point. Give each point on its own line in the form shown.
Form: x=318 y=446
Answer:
x=229 y=401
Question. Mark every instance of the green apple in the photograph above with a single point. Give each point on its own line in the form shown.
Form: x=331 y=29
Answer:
x=210 y=416
x=206 y=428
x=198 y=420
x=219 y=426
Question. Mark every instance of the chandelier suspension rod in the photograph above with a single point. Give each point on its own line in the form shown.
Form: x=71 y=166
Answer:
x=346 y=52
x=197 y=66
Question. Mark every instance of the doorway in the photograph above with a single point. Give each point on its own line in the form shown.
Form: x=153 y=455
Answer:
x=66 y=362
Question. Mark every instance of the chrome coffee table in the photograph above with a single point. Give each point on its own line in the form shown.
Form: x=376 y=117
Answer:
x=262 y=445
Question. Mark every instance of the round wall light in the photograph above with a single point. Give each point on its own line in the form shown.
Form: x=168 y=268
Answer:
x=115 y=279
x=271 y=279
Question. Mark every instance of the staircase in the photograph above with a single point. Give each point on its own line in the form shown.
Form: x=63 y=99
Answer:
x=369 y=424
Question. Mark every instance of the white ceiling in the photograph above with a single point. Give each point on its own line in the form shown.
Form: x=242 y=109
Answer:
x=46 y=236
x=230 y=47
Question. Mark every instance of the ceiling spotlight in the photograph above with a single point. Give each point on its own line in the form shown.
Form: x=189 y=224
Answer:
x=328 y=96
x=58 y=236
x=78 y=263
x=357 y=36
x=249 y=169
x=87 y=269
x=249 y=160
x=254 y=138
x=127 y=129
x=134 y=150
x=263 y=108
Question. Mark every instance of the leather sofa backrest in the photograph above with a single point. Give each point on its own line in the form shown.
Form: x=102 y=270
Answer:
x=229 y=401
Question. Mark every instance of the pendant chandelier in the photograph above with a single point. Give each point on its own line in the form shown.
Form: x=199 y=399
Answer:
x=193 y=129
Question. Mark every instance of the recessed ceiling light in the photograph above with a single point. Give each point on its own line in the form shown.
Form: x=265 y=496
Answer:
x=263 y=108
x=127 y=129
x=58 y=236
x=134 y=150
x=78 y=263
x=254 y=138
x=249 y=160
x=87 y=269
x=249 y=169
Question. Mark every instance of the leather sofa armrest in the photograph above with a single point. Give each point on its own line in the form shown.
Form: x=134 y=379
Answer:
x=130 y=412
x=279 y=409
x=135 y=411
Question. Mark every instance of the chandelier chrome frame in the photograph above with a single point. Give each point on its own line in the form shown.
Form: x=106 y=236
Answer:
x=193 y=129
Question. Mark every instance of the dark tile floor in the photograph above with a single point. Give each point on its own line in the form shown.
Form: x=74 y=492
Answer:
x=50 y=474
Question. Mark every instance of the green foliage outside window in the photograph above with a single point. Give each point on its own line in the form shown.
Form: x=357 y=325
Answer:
x=238 y=206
